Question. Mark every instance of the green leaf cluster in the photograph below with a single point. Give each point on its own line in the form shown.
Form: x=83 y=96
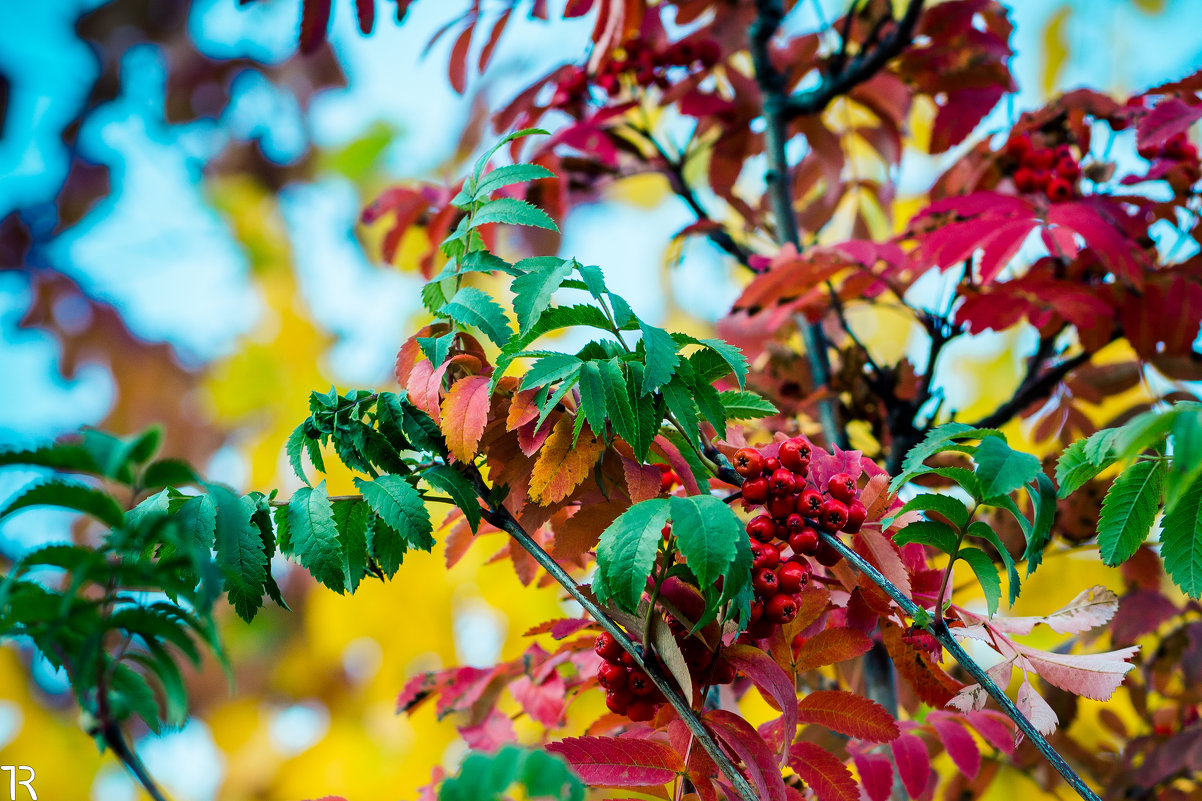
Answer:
x=488 y=777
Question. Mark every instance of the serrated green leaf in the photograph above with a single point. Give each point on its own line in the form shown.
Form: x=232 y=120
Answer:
x=935 y=441
x=728 y=353
x=168 y=473
x=592 y=396
x=508 y=175
x=1099 y=446
x=547 y=406
x=68 y=495
x=474 y=307
x=455 y=485
x=617 y=400
x=928 y=532
x=648 y=415
x=680 y=403
x=1129 y=510
x=626 y=553
x=482 y=162
x=951 y=508
x=979 y=528
x=487 y=777
x=512 y=211
x=1074 y=470
x=556 y=318
x=661 y=357
x=1144 y=431
x=1043 y=505
x=550 y=369
x=350 y=521
x=401 y=507
x=532 y=291
x=1181 y=539
x=129 y=693
x=987 y=575
x=433 y=296
x=197 y=519
x=294 y=446
x=313 y=536
x=707 y=532
x=1187 y=455
x=62 y=456
x=745 y=405
x=1001 y=469
x=436 y=348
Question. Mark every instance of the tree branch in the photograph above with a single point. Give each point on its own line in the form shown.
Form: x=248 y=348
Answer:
x=499 y=516
x=1032 y=389
x=862 y=67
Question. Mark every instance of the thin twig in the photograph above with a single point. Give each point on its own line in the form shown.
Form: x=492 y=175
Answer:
x=499 y=516
x=1033 y=389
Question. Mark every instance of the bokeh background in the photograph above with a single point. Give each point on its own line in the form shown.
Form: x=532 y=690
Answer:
x=179 y=197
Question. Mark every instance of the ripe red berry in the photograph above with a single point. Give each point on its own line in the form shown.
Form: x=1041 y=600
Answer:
x=810 y=504
x=1059 y=190
x=640 y=711
x=795 y=455
x=612 y=675
x=781 y=506
x=627 y=659
x=764 y=555
x=666 y=531
x=618 y=701
x=723 y=671
x=827 y=556
x=781 y=482
x=1177 y=148
x=757 y=610
x=834 y=514
x=793 y=524
x=755 y=490
x=607 y=647
x=842 y=487
x=771 y=465
x=639 y=683
x=1024 y=180
x=1064 y=153
x=1068 y=170
x=856 y=514
x=764 y=582
x=792 y=576
x=1018 y=147
x=1041 y=159
x=781 y=608
x=805 y=542
x=762 y=528
x=1041 y=179
x=748 y=463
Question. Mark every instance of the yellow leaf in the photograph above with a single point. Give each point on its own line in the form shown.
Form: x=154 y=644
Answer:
x=560 y=467
x=1055 y=49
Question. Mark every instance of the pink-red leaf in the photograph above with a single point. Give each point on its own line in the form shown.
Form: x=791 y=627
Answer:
x=757 y=757
x=457 y=67
x=848 y=713
x=1170 y=117
x=772 y=681
x=828 y=777
x=619 y=761
x=960 y=745
x=913 y=763
x=315 y=21
x=876 y=775
x=1036 y=710
x=996 y=728
x=958 y=116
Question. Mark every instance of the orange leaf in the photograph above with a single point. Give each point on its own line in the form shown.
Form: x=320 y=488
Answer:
x=848 y=713
x=560 y=467
x=522 y=409
x=826 y=775
x=642 y=480
x=929 y=681
x=580 y=532
x=464 y=414
x=830 y=646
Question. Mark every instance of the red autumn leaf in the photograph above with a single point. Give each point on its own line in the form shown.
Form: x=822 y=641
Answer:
x=522 y=409
x=365 y=12
x=884 y=556
x=580 y=532
x=824 y=773
x=490 y=734
x=848 y=713
x=457 y=67
x=494 y=38
x=464 y=415
x=1094 y=676
x=876 y=775
x=543 y=701
x=776 y=685
x=1101 y=228
x=664 y=447
x=960 y=745
x=830 y=646
x=642 y=480
x=996 y=728
x=559 y=628
x=929 y=681
x=958 y=116
x=701 y=768
x=756 y=755
x=1140 y=612
x=913 y=763
x=619 y=761
x=1170 y=117
x=1165 y=318
x=315 y=22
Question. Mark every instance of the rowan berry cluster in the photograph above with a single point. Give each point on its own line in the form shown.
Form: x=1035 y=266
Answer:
x=1177 y=160
x=785 y=535
x=1052 y=172
x=641 y=63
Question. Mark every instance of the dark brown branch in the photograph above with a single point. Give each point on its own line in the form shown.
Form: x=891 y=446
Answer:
x=868 y=63
x=499 y=516
x=1032 y=389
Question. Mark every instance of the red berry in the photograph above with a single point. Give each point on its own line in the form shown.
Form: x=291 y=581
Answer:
x=1018 y=147
x=781 y=506
x=607 y=647
x=781 y=608
x=755 y=490
x=765 y=583
x=793 y=524
x=762 y=528
x=618 y=701
x=834 y=514
x=640 y=711
x=842 y=487
x=627 y=659
x=639 y=683
x=1024 y=180
x=666 y=531
x=1041 y=159
x=748 y=463
x=668 y=480
x=792 y=576
x=1068 y=170
x=1041 y=180
x=757 y=610
x=856 y=514
x=1178 y=148
x=663 y=468
x=612 y=676
x=723 y=671
x=795 y=455
x=827 y=556
x=1064 y=153
x=805 y=542
x=1059 y=190
x=771 y=465
x=781 y=482
x=764 y=555
x=810 y=504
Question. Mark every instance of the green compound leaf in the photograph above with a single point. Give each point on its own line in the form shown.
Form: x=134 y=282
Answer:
x=240 y=553
x=745 y=405
x=474 y=307
x=455 y=485
x=1181 y=540
x=513 y=212
x=532 y=291
x=1001 y=469
x=508 y=175
x=928 y=532
x=1074 y=469
x=979 y=528
x=487 y=777
x=1128 y=511
x=313 y=536
x=950 y=508
x=662 y=357
x=987 y=575
x=400 y=506
x=70 y=495
x=707 y=532
x=626 y=553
